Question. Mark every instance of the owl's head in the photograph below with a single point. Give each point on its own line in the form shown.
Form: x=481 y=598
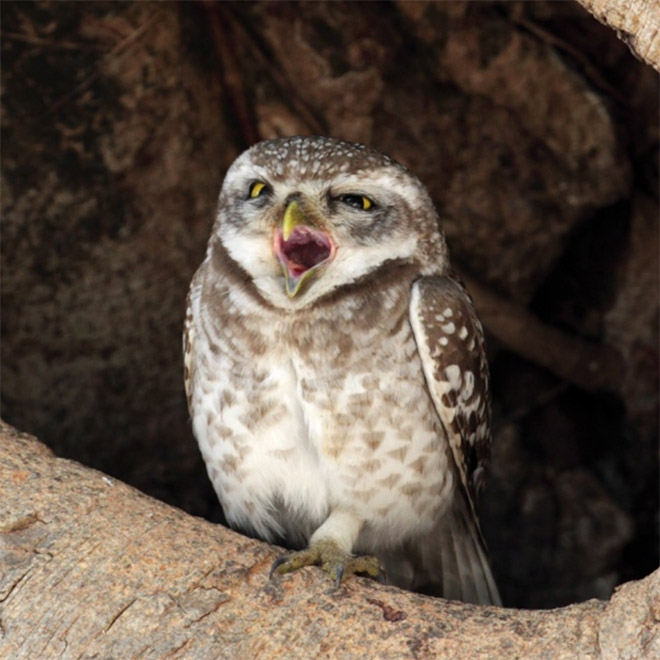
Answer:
x=305 y=216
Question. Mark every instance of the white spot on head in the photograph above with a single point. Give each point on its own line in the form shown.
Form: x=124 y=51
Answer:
x=463 y=333
x=444 y=341
x=448 y=312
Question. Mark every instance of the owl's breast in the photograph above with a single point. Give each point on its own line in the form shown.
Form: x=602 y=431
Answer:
x=381 y=448
x=298 y=416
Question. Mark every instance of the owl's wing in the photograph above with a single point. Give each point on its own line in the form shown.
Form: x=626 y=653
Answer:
x=450 y=341
x=189 y=339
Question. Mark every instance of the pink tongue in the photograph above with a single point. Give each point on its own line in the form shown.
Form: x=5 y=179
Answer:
x=305 y=248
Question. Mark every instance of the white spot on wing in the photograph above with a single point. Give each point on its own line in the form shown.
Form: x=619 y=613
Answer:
x=453 y=373
x=468 y=385
x=449 y=328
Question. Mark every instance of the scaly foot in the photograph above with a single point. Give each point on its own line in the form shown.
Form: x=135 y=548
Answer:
x=331 y=558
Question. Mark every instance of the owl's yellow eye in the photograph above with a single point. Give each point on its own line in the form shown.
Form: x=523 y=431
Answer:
x=256 y=189
x=357 y=201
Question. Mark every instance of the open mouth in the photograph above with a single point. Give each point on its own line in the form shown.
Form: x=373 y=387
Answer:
x=304 y=250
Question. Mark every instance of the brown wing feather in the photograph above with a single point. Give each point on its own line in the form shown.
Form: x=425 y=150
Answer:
x=451 y=559
x=450 y=341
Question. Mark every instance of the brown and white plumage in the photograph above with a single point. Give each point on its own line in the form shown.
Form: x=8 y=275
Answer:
x=335 y=370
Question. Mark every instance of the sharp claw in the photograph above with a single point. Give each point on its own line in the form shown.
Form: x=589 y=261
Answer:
x=276 y=564
x=339 y=572
x=331 y=558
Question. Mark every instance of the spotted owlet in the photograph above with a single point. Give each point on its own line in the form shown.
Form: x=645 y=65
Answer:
x=335 y=370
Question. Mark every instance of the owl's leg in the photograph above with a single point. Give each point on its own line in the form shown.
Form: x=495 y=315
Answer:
x=330 y=547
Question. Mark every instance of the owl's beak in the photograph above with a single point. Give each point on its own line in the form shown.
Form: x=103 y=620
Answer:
x=300 y=248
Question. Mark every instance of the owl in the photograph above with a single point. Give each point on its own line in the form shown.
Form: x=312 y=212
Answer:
x=335 y=370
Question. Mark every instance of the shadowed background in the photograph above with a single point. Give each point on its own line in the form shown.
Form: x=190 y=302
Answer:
x=536 y=132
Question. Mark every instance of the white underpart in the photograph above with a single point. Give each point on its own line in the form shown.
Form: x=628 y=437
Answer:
x=272 y=469
x=293 y=463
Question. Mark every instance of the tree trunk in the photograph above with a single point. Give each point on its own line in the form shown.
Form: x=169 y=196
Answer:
x=92 y=568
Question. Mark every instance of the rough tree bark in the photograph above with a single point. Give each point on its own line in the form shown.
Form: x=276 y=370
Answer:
x=92 y=568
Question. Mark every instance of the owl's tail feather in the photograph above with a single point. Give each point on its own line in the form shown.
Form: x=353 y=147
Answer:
x=460 y=558
x=450 y=561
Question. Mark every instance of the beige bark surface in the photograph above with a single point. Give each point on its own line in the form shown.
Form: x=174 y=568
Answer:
x=637 y=22
x=92 y=568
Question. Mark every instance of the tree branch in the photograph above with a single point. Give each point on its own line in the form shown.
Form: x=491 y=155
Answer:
x=91 y=567
x=636 y=22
